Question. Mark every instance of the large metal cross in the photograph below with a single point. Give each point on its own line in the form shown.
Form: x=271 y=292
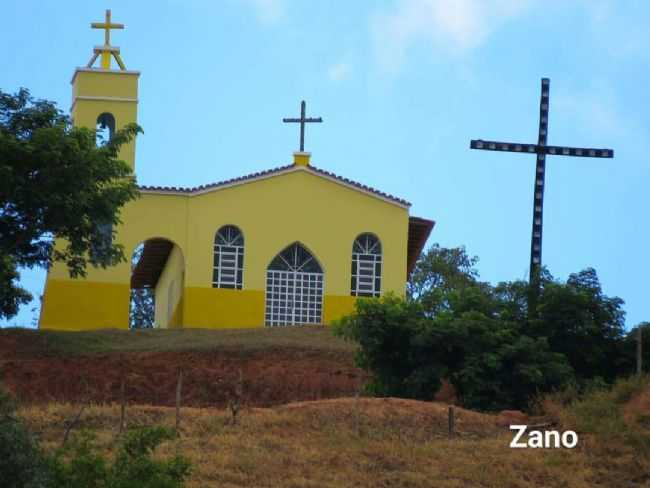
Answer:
x=541 y=149
x=302 y=121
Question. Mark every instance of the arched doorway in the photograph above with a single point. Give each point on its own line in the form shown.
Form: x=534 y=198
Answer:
x=294 y=288
x=157 y=284
x=142 y=308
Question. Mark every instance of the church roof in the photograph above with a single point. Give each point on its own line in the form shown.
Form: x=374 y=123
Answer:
x=274 y=172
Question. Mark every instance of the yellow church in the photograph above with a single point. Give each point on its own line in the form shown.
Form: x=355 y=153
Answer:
x=236 y=253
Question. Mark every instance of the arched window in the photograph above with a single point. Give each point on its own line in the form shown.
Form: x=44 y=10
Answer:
x=366 y=266
x=295 y=258
x=228 y=258
x=105 y=128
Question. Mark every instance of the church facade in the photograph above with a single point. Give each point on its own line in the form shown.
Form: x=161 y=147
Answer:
x=290 y=245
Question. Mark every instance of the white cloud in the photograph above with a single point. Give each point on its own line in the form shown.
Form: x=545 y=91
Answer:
x=595 y=112
x=339 y=71
x=448 y=25
x=268 y=11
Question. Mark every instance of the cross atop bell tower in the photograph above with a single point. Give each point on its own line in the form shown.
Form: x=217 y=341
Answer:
x=105 y=98
x=107 y=51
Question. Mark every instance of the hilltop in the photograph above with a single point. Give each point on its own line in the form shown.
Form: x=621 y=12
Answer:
x=302 y=424
x=278 y=365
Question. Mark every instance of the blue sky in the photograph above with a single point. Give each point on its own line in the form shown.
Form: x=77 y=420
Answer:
x=402 y=86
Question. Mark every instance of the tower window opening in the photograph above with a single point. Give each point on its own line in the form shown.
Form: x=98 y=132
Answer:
x=105 y=128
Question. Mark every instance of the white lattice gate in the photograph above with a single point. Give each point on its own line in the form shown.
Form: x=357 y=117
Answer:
x=294 y=289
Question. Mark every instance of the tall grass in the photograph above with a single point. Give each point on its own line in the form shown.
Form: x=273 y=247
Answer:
x=613 y=424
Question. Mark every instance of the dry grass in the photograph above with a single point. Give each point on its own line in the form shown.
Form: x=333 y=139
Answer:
x=614 y=425
x=335 y=443
x=32 y=342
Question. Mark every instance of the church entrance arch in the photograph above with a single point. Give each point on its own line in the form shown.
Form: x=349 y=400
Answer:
x=294 y=288
x=157 y=284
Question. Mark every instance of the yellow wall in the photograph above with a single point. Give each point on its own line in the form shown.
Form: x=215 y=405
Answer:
x=169 y=290
x=272 y=213
x=84 y=305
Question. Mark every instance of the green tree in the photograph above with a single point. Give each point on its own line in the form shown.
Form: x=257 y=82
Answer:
x=491 y=362
x=628 y=349
x=482 y=338
x=388 y=331
x=142 y=313
x=56 y=184
x=582 y=323
x=143 y=300
x=438 y=272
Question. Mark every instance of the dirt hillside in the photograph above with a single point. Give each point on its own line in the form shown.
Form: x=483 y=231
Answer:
x=276 y=368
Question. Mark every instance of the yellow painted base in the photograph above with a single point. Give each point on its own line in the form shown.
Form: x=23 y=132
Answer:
x=84 y=305
x=336 y=306
x=223 y=308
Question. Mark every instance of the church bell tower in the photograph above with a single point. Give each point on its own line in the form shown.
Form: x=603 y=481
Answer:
x=103 y=97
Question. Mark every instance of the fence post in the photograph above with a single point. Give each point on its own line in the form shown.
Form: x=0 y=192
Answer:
x=639 y=350
x=122 y=403
x=179 y=385
x=451 y=421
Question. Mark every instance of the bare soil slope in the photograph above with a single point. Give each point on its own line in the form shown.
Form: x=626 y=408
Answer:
x=277 y=365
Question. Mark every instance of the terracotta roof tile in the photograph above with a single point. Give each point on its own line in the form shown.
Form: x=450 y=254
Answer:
x=280 y=169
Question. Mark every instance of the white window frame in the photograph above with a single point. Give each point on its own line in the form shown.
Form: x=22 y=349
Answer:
x=366 y=266
x=228 y=258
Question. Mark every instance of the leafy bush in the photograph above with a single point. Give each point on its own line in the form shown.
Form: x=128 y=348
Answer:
x=497 y=346
x=21 y=461
x=490 y=362
x=80 y=466
x=390 y=333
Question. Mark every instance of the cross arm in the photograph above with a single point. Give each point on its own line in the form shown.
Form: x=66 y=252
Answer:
x=102 y=25
x=584 y=152
x=502 y=146
x=534 y=148
x=309 y=119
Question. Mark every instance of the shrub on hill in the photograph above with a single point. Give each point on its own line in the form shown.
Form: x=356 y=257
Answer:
x=491 y=362
x=482 y=338
x=78 y=465
x=21 y=462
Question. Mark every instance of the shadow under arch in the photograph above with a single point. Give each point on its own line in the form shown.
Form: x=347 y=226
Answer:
x=154 y=302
